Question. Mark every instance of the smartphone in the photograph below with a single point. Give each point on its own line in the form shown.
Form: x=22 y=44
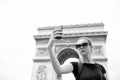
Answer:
x=60 y=28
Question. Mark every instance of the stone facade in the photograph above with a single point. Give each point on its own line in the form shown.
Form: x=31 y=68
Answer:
x=65 y=48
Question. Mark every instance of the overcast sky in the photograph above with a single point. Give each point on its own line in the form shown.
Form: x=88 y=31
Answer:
x=19 y=20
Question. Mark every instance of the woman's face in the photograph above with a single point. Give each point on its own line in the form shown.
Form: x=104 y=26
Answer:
x=84 y=47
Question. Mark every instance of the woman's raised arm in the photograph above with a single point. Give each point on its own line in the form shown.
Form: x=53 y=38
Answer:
x=59 y=69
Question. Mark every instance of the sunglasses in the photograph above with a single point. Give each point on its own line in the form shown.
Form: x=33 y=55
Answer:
x=83 y=45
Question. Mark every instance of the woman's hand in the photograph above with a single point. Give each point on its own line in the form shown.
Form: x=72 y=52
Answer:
x=56 y=35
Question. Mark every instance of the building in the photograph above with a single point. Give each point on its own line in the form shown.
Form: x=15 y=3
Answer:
x=65 y=48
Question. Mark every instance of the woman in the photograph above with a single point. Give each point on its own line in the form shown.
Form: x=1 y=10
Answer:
x=85 y=69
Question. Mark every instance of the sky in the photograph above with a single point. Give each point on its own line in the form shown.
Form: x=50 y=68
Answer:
x=19 y=20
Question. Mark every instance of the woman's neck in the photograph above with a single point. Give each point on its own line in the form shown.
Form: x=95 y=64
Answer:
x=87 y=60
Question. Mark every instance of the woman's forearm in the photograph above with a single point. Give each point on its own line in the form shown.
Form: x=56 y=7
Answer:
x=54 y=60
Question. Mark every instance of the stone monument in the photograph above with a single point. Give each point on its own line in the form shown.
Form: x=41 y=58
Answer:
x=65 y=48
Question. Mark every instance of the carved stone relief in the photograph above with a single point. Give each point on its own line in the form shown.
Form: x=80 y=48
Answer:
x=41 y=73
x=41 y=52
x=41 y=41
x=98 y=50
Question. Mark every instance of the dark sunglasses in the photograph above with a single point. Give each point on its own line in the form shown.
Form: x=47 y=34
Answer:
x=83 y=45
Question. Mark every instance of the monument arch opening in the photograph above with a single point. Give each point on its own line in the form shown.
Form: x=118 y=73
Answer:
x=67 y=53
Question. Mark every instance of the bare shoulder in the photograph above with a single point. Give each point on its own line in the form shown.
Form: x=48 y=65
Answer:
x=66 y=68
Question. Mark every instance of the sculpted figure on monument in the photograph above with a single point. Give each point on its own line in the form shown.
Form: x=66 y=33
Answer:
x=41 y=73
x=85 y=68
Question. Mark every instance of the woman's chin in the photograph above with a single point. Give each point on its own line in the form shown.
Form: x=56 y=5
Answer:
x=83 y=53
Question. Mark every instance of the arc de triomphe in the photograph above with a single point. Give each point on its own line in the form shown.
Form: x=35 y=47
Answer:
x=65 y=48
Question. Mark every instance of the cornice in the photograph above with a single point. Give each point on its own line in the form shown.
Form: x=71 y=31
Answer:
x=100 y=59
x=100 y=33
x=48 y=59
x=73 y=26
x=41 y=59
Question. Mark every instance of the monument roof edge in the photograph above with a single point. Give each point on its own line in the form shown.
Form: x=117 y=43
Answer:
x=73 y=26
x=73 y=34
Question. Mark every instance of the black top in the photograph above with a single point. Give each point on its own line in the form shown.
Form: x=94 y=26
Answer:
x=89 y=71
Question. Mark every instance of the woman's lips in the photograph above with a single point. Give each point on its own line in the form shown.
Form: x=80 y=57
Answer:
x=83 y=52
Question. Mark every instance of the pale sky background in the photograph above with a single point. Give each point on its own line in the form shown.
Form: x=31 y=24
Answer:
x=19 y=20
